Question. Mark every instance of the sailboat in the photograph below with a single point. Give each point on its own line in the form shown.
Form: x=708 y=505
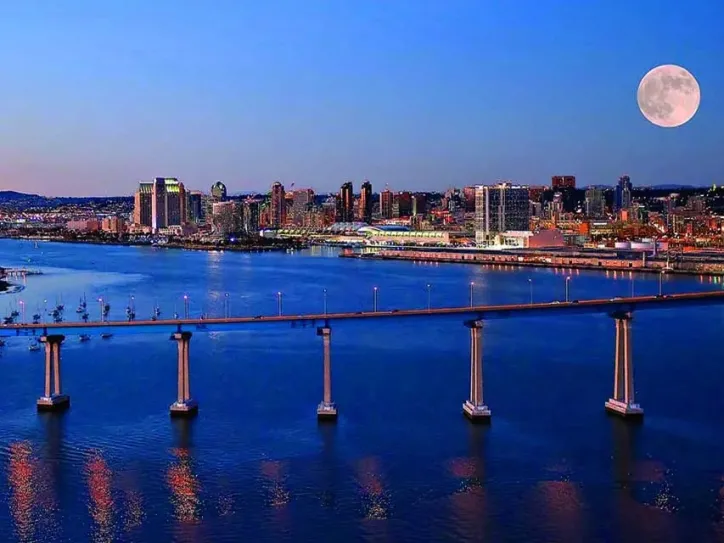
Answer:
x=82 y=305
x=34 y=345
x=84 y=337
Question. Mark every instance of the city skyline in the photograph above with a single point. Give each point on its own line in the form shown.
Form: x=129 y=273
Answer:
x=420 y=97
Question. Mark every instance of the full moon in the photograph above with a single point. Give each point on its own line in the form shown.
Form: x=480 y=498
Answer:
x=668 y=96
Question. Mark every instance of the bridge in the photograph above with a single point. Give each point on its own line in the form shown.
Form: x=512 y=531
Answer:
x=621 y=310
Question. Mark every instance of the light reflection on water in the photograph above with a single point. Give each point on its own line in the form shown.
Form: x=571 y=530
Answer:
x=400 y=464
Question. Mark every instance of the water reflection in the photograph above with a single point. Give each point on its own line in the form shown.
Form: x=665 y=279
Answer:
x=468 y=504
x=100 y=506
x=277 y=497
x=643 y=497
x=133 y=512
x=184 y=487
x=375 y=499
x=23 y=493
x=562 y=505
x=328 y=465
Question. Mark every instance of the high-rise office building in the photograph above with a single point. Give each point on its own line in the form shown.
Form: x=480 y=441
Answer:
x=160 y=203
x=622 y=196
x=142 y=208
x=250 y=217
x=469 y=199
x=195 y=209
x=345 y=203
x=386 y=204
x=559 y=182
x=226 y=217
x=218 y=192
x=419 y=204
x=404 y=203
x=302 y=202
x=500 y=208
x=595 y=203
x=365 y=202
x=278 y=207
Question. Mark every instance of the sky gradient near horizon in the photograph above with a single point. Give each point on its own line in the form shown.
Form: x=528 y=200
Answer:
x=419 y=94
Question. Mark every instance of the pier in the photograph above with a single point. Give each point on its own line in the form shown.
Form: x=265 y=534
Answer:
x=620 y=310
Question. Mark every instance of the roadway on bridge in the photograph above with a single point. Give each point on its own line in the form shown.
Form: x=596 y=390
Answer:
x=486 y=312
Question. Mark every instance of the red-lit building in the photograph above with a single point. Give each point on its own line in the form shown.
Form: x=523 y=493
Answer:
x=563 y=182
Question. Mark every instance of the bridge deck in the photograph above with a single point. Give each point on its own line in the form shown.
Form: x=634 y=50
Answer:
x=485 y=312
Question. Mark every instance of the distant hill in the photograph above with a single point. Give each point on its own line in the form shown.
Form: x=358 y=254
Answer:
x=19 y=200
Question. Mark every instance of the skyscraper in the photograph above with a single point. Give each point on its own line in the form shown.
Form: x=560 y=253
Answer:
x=419 y=204
x=404 y=203
x=345 y=203
x=278 y=208
x=160 y=203
x=250 y=217
x=142 y=208
x=302 y=202
x=595 y=203
x=218 y=192
x=500 y=208
x=622 y=196
x=195 y=210
x=365 y=202
x=386 y=204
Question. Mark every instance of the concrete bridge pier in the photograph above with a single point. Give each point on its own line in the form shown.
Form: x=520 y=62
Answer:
x=53 y=398
x=184 y=406
x=622 y=403
x=475 y=409
x=327 y=409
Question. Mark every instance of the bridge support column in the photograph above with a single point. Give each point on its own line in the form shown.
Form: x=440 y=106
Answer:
x=622 y=403
x=53 y=398
x=475 y=409
x=184 y=406
x=327 y=409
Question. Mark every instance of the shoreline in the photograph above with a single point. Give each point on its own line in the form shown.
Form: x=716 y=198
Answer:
x=517 y=261
x=171 y=245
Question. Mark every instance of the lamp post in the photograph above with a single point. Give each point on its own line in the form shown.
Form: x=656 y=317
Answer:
x=374 y=299
x=186 y=306
x=279 y=303
x=568 y=279
x=100 y=306
x=632 y=285
x=661 y=283
x=472 y=286
x=429 y=286
x=530 y=283
x=324 y=294
x=22 y=311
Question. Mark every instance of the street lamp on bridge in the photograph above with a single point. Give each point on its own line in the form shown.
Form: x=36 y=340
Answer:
x=374 y=299
x=530 y=283
x=324 y=294
x=279 y=303
x=472 y=286
x=186 y=306
x=100 y=306
x=429 y=286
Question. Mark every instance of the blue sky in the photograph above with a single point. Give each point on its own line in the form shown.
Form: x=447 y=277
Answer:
x=419 y=94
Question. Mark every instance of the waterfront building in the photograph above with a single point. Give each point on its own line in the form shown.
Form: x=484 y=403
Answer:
x=469 y=199
x=386 y=204
x=250 y=217
x=365 y=202
x=194 y=207
x=345 y=203
x=142 y=208
x=278 y=206
x=113 y=225
x=622 y=196
x=500 y=208
x=85 y=225
x=595 y=203
x=160 y=203
x=226 y=218
x=302 y=202
x=559 y=182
